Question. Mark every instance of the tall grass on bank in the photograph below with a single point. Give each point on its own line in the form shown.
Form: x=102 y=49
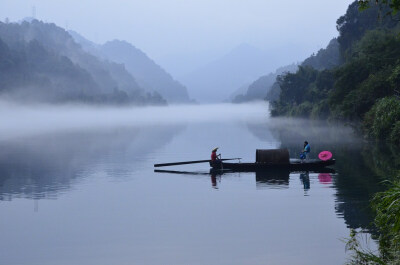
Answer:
x=386 y=206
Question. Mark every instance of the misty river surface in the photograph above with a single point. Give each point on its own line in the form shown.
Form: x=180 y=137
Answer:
x=77 y=186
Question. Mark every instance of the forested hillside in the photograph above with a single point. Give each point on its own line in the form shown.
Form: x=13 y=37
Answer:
x=259 y=89
x=41 y=62
x=147 y=73
x=267 y=86
x=363 y=89
x=327 y=58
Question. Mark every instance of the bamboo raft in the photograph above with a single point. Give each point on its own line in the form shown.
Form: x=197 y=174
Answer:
x=293 y=165
x=270 y=159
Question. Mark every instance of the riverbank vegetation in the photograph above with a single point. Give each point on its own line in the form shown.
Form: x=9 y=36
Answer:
x=386 y=206
x=364 y=88
x=382 y=161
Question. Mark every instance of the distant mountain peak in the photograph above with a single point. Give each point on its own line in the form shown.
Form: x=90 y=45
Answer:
x=220 y=78
x=27 y=19
x=148 y=74
x=120 y=43
x=244 y=50
x=245 y=47
x=124 y=46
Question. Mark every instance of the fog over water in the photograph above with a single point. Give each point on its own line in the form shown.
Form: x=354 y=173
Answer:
x=78 y=186
x=23 y=120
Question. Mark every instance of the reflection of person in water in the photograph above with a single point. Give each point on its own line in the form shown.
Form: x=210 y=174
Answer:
x=215 y=176
x=305 y=179
x=214 y=180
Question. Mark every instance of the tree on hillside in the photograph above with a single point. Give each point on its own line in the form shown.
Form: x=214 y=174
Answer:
x=354 y=24
x=393 y=4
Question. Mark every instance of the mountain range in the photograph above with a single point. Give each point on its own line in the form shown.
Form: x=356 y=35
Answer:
x=259 y=89
x=43 y=62
x=147 y=73
x=267 y=86
x=216 y=81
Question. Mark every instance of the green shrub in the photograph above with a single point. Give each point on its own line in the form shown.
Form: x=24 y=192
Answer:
x=387 y=209
x=395 y=134
x=368 y=121
x=386 y=206
x=394 y=78
x=303 y=110
x=380 y=120
x=279 y=109
x=320 y=110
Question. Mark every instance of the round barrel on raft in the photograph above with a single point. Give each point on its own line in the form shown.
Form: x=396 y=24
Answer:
x=272 y=156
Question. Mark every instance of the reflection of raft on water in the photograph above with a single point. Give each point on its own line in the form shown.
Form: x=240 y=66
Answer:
x=278 y=178
x=274 y=159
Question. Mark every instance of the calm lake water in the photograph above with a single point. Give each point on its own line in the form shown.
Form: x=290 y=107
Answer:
x=77 y=186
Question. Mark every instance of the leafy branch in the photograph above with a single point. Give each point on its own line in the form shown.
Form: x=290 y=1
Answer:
x=393 y=4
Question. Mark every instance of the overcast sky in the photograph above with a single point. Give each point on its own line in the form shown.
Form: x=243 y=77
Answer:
x=165 y=29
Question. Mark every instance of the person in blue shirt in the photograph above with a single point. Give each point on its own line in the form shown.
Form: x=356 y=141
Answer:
x=306 y=151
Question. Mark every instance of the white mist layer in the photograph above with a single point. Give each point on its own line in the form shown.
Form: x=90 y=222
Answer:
x=25 y=120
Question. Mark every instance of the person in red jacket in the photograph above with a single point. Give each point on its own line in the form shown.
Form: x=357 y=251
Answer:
x=214 y=156
x=215 y=159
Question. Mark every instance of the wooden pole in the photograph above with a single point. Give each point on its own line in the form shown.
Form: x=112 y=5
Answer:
x=190 y=162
